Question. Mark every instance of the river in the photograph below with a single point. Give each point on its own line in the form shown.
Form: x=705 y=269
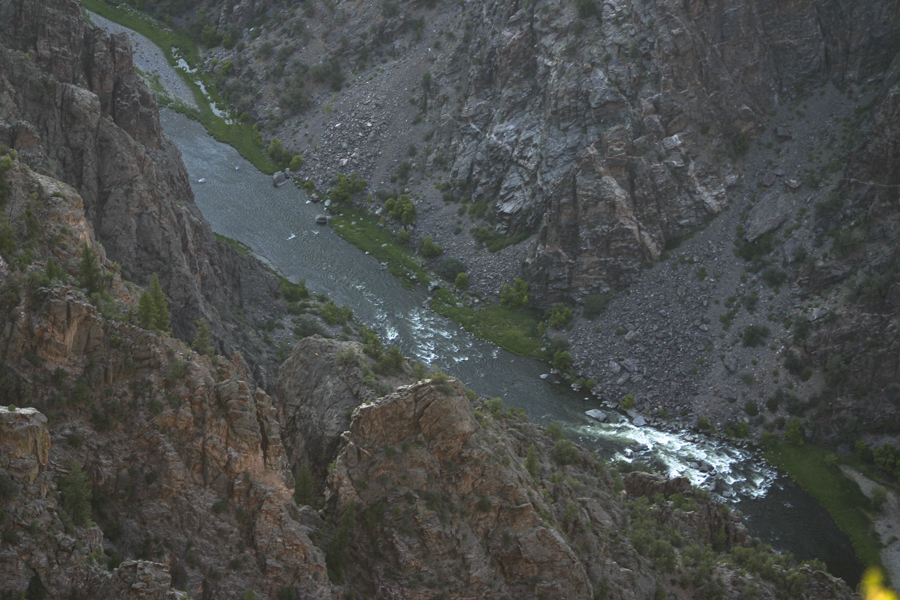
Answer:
x=279 y=225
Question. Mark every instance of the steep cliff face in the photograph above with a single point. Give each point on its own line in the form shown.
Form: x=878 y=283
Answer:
x=318 y=387
x=75 y=110
x=623 y=136
x=179 y=457
x=856 y=341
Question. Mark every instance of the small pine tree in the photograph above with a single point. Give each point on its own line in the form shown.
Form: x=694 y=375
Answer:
x=794 y=432
x=7 y=238
x=203 y=340
x=76 y=490
x=89 y=269
x=159 y=302
x=146 y=310
x=531 y=462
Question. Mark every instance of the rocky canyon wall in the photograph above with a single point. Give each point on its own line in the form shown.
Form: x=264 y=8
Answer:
x=74 y=109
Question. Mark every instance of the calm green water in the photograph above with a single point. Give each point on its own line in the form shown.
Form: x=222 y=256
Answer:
x=279 y=225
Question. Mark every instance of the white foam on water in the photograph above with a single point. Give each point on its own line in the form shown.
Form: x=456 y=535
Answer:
x=734 y=468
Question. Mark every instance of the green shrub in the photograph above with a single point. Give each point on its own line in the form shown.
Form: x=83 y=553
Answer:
x=754 y=335
x=462 y=281
x=587 y=9
x=288 y=592
x=8 y=488
x=755 y=251
x=308 y=327
x=329 y=72
x=794 y=432
x=449 y=268
x=89 y=269
x=430 y=249
x=345 y=187
x=494 y=406
x=740 y=143
x=477 y=209
x=531 y=462
x=391 y=362
x=337 y=552
x=554 y=431
x=203 y=339
x=565 y=452
x=515 y=296
x=562 y=361
x=558 y=316
x=773 y=277
x=335 y=315
x=594 y=304
x=495 y=241
x=10 y=537
x=293 y=292
x=627 y=402
x=402 y=209
x=836 y=369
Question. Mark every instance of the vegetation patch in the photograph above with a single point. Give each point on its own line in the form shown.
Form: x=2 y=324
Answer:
x=809 y=466
x=513 y=330
x=494 y=241
x=367 y=235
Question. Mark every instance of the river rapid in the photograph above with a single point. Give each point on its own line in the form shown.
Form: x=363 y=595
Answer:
x=279 y=225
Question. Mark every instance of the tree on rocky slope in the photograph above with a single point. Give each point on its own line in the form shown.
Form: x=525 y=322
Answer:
x=515 y=295
x=203 y=340
x=153 y=310
x=89 y=269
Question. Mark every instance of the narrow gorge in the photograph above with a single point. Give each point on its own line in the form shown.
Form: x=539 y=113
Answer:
x=701 y=196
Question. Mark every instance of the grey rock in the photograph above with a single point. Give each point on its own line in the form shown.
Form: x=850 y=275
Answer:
x=730 y=362
x=599 y=415
x=767 y=215
x=630 y=365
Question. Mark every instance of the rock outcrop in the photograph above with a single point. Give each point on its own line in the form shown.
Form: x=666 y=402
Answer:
x=318 y=388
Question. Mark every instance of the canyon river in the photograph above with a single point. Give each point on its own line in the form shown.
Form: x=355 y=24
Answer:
x=278 y=224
